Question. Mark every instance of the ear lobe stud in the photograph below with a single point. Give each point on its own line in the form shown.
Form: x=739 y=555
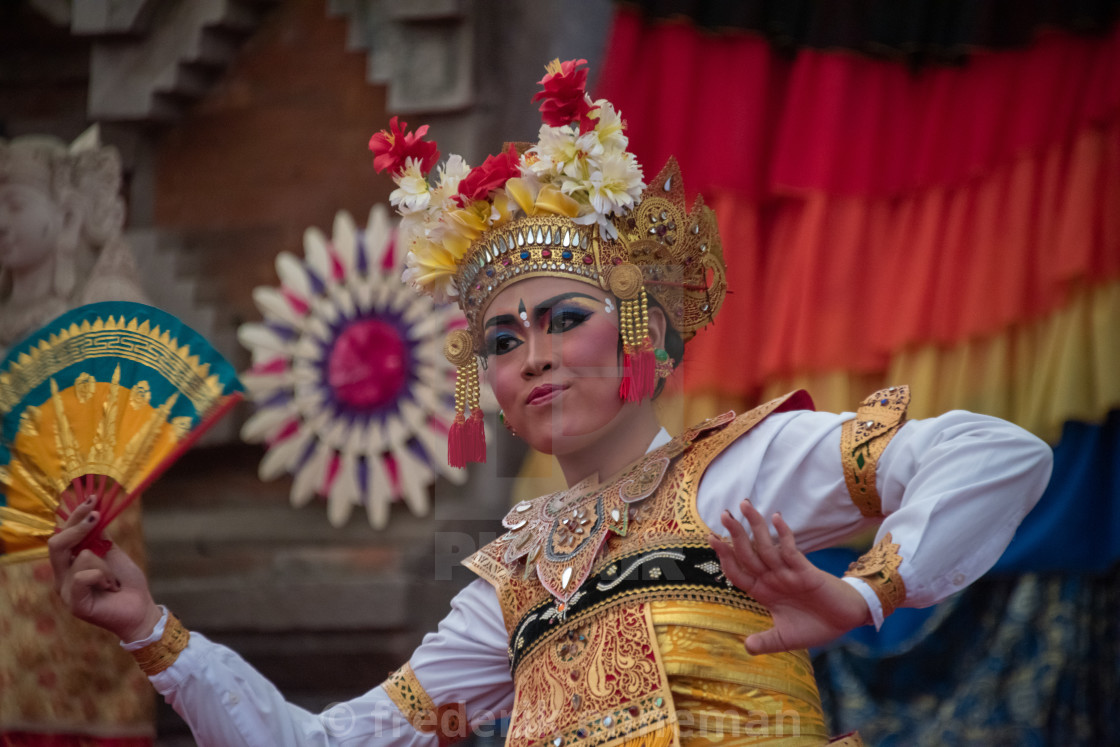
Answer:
x=664 y=365
x=504 y=422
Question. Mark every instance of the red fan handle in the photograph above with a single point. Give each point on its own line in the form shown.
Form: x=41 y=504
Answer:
x=109 y=503
x=96 y=543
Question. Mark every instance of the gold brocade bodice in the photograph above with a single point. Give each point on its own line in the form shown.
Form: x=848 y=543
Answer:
x=623 y=628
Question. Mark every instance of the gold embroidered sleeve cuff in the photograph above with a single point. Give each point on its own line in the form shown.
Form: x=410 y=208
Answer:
x=158 y=656
x=878 y=567
x=448 y=722
x=863 y=440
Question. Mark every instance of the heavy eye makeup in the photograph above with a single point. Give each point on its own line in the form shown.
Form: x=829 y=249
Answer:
x=566 y=316
x=501 y=341
x=555 y=316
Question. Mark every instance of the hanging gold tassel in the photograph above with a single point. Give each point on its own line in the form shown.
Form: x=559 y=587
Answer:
x=466 y=441
x=639 y=364
x=474 y=435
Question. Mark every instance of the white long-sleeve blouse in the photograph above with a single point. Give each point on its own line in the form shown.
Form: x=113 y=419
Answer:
x=953 y=489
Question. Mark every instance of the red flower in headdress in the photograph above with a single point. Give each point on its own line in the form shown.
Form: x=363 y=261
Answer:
x=391 y=148
x=492 y=174
x=564 y=99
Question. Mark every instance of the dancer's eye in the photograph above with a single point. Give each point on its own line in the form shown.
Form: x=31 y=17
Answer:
x=501 y=343
x=564 y=319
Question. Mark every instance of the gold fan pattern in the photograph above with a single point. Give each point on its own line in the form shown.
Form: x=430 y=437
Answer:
x=99 y=401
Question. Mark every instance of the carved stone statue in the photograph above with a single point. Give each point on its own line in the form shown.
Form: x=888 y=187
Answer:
x=61 y=222
x=61 y=217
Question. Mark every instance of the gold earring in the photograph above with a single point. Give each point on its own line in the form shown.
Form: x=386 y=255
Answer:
x=466 y=440
x=638 y=364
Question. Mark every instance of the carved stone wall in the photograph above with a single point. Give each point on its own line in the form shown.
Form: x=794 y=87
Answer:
x=241 y=123
x=469 y=67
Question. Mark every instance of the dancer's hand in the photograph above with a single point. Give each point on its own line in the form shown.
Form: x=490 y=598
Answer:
x=110 y=592
x=810 y=607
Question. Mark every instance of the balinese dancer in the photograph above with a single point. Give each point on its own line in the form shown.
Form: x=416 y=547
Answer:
x=663 y=598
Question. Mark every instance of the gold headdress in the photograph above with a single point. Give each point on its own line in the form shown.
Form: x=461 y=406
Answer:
x=572 y=205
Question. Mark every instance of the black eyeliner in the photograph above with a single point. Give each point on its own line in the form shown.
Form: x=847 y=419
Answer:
x=544 y=306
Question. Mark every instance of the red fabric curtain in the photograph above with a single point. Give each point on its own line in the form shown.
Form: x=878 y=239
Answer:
x=867 y=208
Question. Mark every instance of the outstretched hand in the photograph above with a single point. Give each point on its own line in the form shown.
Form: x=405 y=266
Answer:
x=810 y=607
x=109 y=592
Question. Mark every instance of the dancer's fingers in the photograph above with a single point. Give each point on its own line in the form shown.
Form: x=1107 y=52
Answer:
x=787 y=544
x=742 y=546
x=61 y=545
x=730 y=564
x=763 y=545
x=85 y=586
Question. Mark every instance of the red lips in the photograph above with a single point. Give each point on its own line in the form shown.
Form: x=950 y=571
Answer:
x=543 y=393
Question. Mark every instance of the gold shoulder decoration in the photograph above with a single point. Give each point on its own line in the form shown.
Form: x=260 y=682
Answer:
x=487 y=562
x=879 y=568
x=448 y=722
x=863 y=440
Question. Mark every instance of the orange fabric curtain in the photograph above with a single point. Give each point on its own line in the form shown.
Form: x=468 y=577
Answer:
x=868 y=210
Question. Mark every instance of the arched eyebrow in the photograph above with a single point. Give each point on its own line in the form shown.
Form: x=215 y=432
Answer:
x=545 y=306
x=499 y=320
x=539 y=310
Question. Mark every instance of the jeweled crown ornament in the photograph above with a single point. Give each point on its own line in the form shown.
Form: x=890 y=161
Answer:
x=572 y=205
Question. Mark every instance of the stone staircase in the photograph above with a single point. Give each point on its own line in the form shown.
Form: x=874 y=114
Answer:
x=149 y=59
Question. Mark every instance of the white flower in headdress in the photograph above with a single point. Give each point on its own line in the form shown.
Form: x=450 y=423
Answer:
x=607 y=230
x=575 y=173
x=412 y=193
x=616 y=185
x=612 y=188
x=555 y=149
x=609 y=128
x=450 y=174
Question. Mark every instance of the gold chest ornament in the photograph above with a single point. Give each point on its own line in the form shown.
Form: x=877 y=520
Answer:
x=576 y=576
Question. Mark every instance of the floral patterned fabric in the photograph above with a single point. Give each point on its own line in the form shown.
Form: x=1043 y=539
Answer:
x=1035 y=660
x=62 y=681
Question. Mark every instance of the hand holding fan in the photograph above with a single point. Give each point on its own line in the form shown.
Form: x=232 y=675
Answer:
x=99 y=401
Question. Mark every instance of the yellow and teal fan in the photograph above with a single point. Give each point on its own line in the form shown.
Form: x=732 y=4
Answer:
x=99 y=401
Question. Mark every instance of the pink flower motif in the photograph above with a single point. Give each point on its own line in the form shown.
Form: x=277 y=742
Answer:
x=564 y=98
x=47 y=679
x=490 y=175
x=391 y=148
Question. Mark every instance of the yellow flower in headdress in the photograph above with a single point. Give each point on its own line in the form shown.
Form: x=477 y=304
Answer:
x=534 y=199
x=430 y=268
x=467 y=224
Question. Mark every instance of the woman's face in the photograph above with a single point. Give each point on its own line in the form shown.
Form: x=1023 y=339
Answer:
x=552 y=361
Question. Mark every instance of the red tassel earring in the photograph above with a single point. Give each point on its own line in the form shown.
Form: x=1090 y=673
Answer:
x=639 y=364
x=466 y=441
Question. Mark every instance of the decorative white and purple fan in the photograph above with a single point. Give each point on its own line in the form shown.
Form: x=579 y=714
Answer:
x=354 y=396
